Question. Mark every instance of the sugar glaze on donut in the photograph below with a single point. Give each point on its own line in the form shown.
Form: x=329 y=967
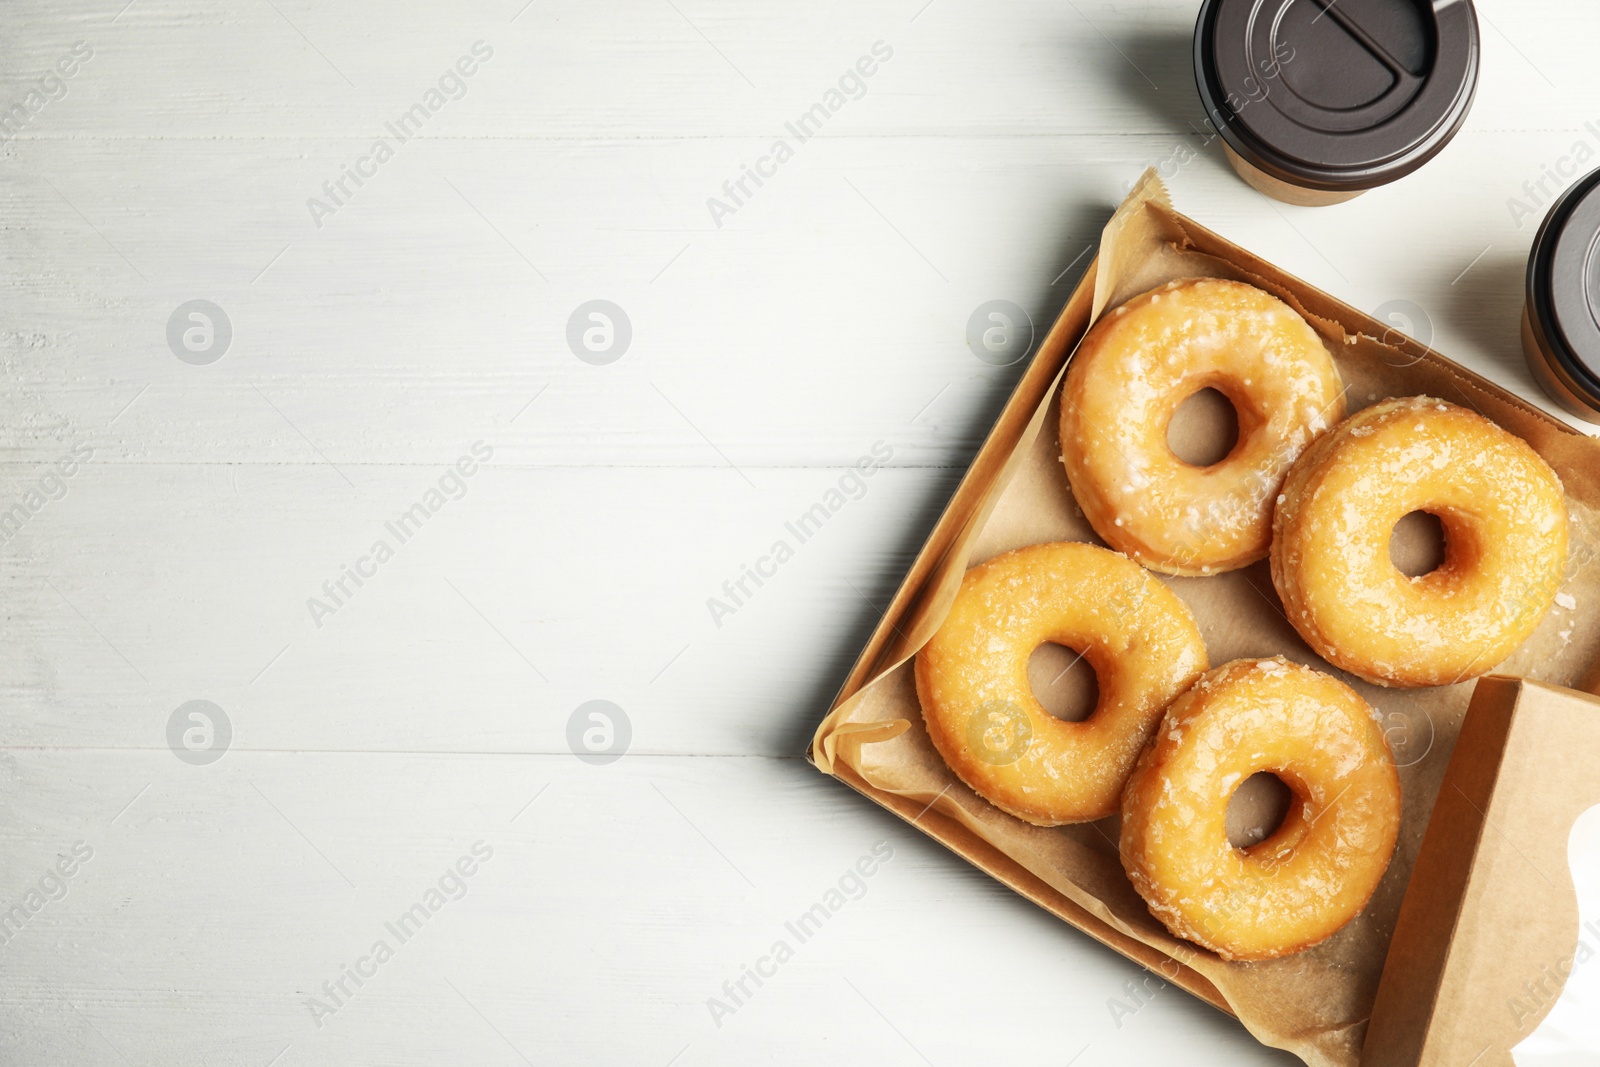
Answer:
x=1314 y=873
x=1129 y=376
x=1505 y=524
x=981 y=713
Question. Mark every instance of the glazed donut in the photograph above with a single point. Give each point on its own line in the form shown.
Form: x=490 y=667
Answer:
x=1319 y=868
x=1505 y=525
x=972 y=677
x=1131 y=373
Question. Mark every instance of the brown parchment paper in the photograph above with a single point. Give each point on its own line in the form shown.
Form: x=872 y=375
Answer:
x=1314 y=1004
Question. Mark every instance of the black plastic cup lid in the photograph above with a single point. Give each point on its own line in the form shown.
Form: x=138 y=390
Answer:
x=1338 y=95
x=1564 y=283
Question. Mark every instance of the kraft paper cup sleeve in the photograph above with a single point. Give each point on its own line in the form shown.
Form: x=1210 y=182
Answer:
x=1315 y=1003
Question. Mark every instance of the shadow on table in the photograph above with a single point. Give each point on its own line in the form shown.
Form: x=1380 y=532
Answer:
x=1154 y=67
x=939 y=882
x=873 y=589
x=1485 y=302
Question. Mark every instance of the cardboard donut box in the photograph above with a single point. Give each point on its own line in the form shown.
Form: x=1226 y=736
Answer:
x=1467 y=947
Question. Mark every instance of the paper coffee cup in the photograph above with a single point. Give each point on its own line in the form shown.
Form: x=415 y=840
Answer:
x=1561 y=317
x=1318 y=101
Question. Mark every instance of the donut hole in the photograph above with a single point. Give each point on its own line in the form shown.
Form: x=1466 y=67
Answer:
x=1204 y=429
x=1417 y=544
x=1257 y=809
x=1063 y=682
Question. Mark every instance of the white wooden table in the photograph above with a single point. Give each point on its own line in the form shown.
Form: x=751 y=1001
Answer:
x=227 y=912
